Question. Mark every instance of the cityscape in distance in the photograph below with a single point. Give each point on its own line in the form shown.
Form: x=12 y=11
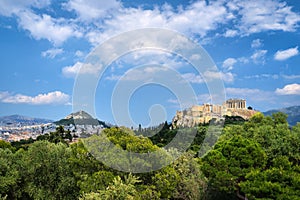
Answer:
x=17 y=127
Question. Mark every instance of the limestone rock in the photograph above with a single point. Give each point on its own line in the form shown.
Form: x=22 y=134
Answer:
x=202 y=114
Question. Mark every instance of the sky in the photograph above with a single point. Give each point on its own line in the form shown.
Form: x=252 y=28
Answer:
x=44 y=44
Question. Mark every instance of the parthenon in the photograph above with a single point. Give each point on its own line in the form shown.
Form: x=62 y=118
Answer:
x=236 y=104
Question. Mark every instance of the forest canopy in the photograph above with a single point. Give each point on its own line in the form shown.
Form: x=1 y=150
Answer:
x=255 y=159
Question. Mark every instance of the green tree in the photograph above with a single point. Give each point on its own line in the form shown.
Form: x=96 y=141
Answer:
x=166 y=180
x=230 y=161
x=9 y=175
x=6 y=145
x=117 y=190
x=280 y=181
x=48 y=172
x=192 y=183
x=97 y=181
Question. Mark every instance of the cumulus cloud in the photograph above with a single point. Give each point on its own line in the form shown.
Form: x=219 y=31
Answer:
x=208 y=76
x=265 y=15
x=104 y=19
x=226 y=77
x=291 y=89
x=229 y=63
x=56 y=97
x=72 y=71
x=247 y=18
x=153 y=57
x=258 y=57
x=208 y=17
x=91 y=9
x=286 y=54
x=45 y=27
x=133 y=59
x=231 y=33
x=82 y=68
x=251 y=94
x=8 y=7
x=256 y=43
x=52 y=53
x=193 y=78
x=56 y=30
x=141 y=74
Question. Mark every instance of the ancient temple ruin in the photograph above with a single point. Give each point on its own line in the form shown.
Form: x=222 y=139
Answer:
x=200 y=114
x=235 y=104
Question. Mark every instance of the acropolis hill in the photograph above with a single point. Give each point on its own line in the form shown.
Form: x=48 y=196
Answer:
x=201 y=114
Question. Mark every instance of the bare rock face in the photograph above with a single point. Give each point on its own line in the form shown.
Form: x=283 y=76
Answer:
x=202 y=114
x=244 y=113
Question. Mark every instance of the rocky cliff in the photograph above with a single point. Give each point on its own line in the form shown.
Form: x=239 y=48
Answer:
x=202 y=114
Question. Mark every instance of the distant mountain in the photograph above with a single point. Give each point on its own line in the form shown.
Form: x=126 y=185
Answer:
x=293 y=113
x=23 y=120
x=80 y=118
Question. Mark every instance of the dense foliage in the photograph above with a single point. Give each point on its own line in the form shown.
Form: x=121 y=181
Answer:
x=256 y=159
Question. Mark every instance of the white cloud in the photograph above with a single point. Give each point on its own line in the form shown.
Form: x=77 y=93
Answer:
x=182 y=105
x=231 y=33
x=258 y=56
x=55 y=97
x=293 y=76
x=45 y=27
x=204 y=98
x=242 y=91
x=246 y=18
x=208 y=76
x=193 y=78
x=92 y=9
x=263 y=76
x=52 y=53
x=113 y=77
x=79 y=53
x=195 y=57
x=286 y=54
x=9 y=7
x=243 y=60
x=79 y=67
x=266 y=15
x=229 y=63
x=292 y=89
x=256 y=43
x=227 y=77
x=72 y=71
x=207 y=16
x=100 y=20
x=141 y=74
x=254 y=95
x=4 y=95
x=151 y=57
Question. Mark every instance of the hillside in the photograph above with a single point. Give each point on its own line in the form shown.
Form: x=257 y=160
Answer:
x=80 y=118
x=23 y=120
x=293 y=113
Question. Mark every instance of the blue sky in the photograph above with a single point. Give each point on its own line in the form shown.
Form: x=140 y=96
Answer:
x=43 y=44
